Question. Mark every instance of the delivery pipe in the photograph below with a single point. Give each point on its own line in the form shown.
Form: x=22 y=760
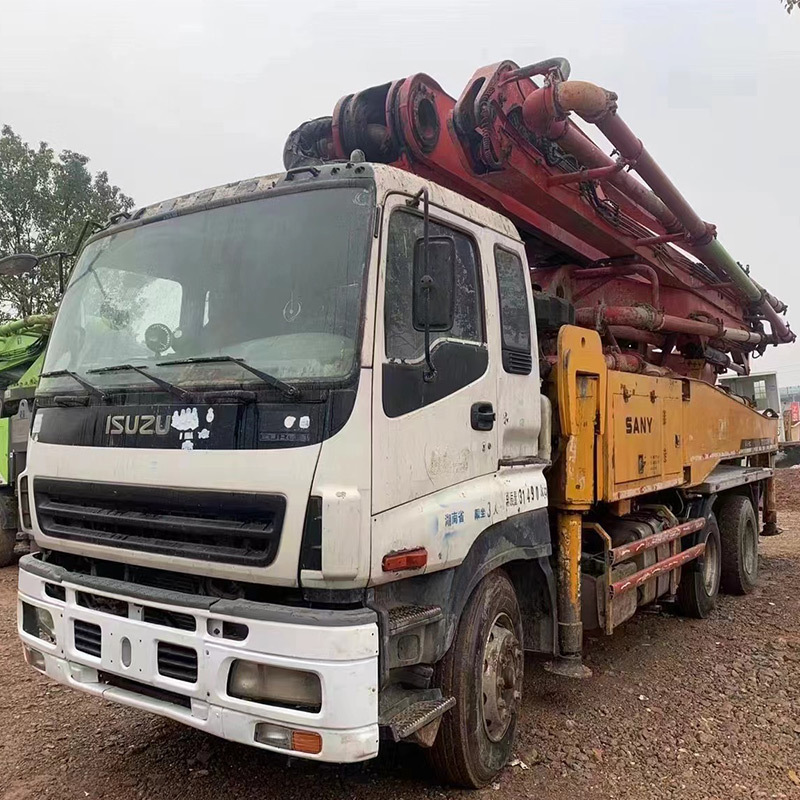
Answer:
x=545 y=111
x=650 y=319
x=632 y=362
x=627 y=333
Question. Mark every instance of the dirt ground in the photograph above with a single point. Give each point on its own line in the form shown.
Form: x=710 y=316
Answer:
x=676 y=709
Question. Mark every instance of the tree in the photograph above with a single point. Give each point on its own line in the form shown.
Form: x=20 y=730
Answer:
x=790 y=5
x=44 y=202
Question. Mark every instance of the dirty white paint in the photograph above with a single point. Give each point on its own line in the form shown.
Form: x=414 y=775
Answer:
x=210 y=415
x=435 y=447
x=287 y=472
x=187 y=445
x=305 y=422
x=390 y=179
x=289 y=421
x=203 y=434
x=447 y=523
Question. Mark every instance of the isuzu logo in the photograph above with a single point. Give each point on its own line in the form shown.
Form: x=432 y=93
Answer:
x=143 y=424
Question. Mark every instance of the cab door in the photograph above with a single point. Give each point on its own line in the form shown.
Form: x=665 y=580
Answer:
x=432 y=431
x=519 y=412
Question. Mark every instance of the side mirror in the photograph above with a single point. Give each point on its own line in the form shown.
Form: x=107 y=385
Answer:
x=17 y=264
x=434 y=284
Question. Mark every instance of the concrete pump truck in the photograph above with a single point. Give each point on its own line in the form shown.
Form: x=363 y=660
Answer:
x=317 y=457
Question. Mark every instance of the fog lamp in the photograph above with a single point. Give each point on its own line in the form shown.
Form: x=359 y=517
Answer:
x=34 y=658
x=264 y=683
x=274 y=735
x=288 y=739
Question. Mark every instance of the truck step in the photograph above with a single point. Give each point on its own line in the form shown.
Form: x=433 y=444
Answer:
x=405 y=618
x=417 y=716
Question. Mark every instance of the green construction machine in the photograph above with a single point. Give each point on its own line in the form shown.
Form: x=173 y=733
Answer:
x=22 y=346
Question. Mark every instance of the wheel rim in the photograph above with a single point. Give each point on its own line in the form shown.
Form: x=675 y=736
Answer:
x=711 y=566
x=502 y=677
x=750 y=549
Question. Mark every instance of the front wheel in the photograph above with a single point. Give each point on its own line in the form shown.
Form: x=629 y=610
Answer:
x=483 y=670
x=8 y=529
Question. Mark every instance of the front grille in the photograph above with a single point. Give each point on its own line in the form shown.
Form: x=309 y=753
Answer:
x=106 y=605
x=169 y=619
x=175 y=661
x=142 y=688
x=88 y=638
x=151 y=614
x=226 y=527
x=55 y=591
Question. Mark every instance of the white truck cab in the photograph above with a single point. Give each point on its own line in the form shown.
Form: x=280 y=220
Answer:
x=285 y=428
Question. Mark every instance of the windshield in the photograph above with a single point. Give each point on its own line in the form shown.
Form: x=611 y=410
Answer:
x=275 y=282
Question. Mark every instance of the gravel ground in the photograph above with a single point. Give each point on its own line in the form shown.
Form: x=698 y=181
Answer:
x=676 y=709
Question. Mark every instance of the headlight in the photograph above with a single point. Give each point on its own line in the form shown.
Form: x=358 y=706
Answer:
x=264 y=683
x=38 y=622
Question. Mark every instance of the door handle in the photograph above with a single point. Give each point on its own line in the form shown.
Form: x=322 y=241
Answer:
x=482 y=416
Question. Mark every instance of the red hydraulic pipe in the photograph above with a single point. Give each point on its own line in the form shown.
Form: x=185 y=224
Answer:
x=659 y=568
x=585 y=175
x=631 y=147
x=635 y=335
x=648 y=241
x=545 y=111
x=540 y=115
x=704 y=242
x=625 y=551
x=649 y=319
x=633 y=362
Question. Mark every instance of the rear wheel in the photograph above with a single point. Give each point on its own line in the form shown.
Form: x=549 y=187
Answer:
x=8 y=529
x=699 y=586
x=738 y=530
x=483 y=670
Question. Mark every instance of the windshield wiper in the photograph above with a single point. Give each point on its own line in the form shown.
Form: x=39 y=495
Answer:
x=270 y=380
x=60 y=373
x=181 y=394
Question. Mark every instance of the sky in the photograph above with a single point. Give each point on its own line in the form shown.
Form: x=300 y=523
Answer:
x=170 y=96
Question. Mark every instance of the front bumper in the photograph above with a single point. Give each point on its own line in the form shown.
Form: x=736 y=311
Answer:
x=341 y=647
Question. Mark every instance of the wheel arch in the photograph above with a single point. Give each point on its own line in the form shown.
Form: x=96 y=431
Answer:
x=521 y=545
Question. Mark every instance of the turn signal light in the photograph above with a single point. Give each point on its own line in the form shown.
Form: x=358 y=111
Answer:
x=405 y=559
x=287 y=739
x=306 y=742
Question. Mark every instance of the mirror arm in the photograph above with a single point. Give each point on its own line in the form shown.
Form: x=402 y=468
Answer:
x=427 y=285
x=90 y=223
x=62 y=254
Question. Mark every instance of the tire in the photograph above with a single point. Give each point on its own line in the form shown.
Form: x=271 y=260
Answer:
x=698 y=589
x=483 y=670
x=8 y=529
x=738 y=529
